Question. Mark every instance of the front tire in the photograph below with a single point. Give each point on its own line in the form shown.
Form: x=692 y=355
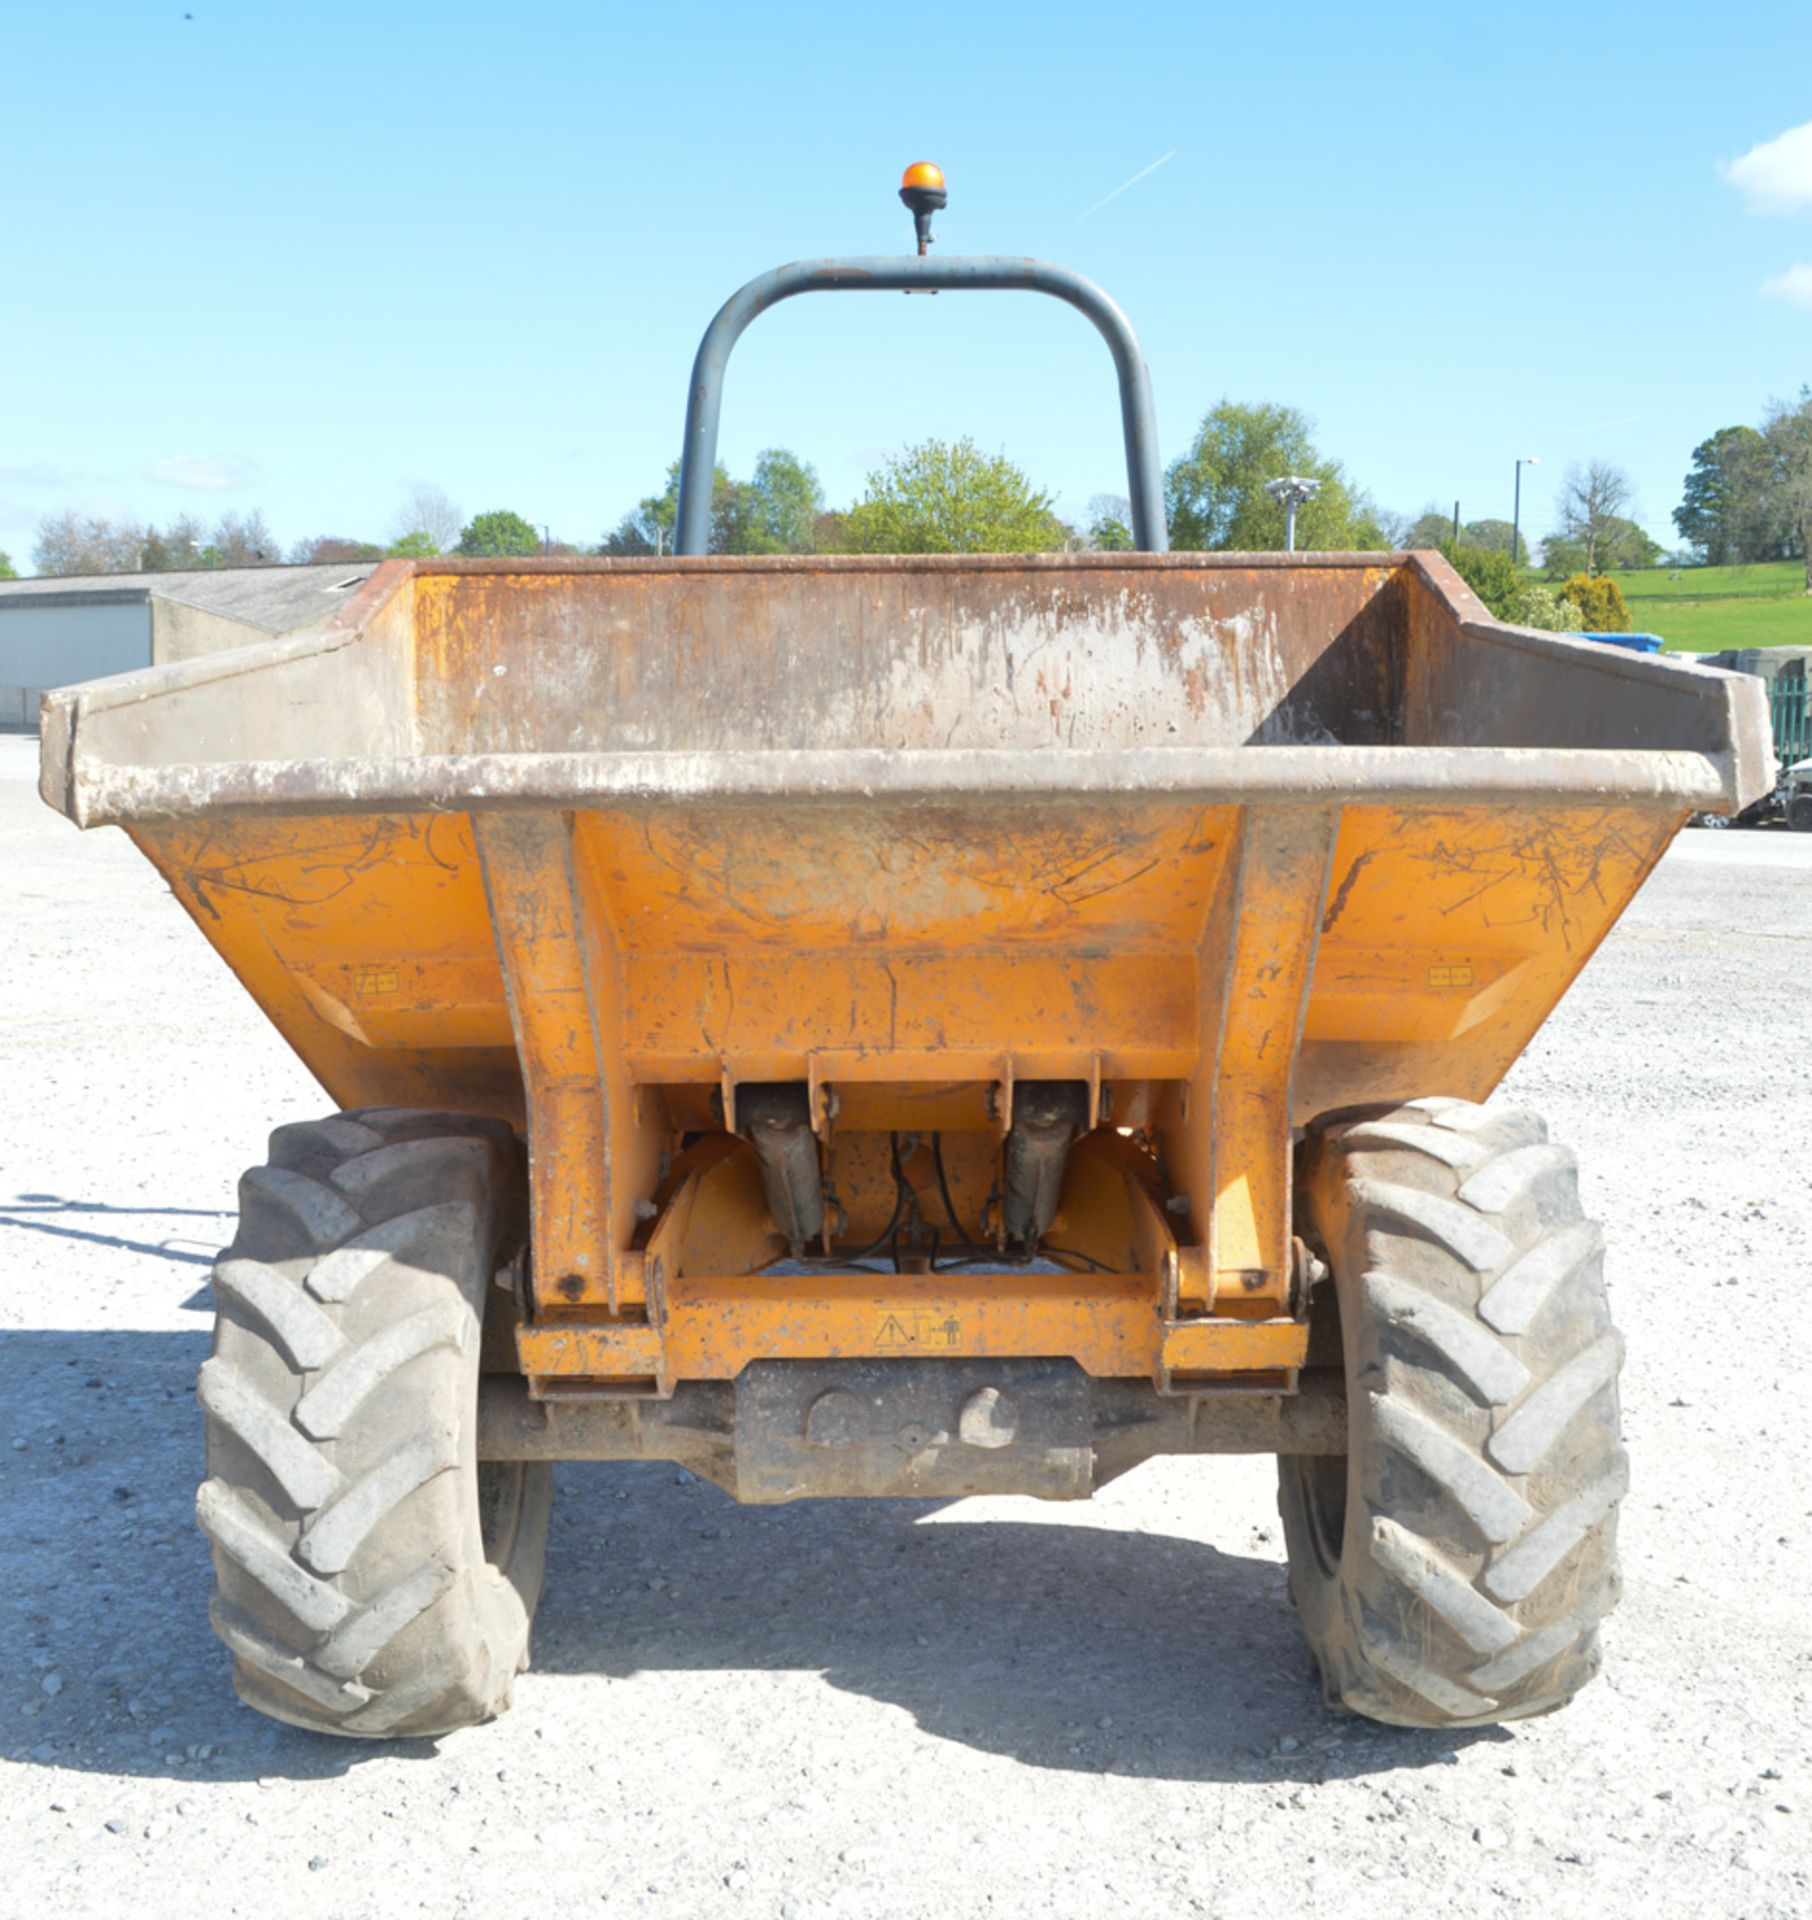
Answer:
x=372 y=1579
x=1452 y=1568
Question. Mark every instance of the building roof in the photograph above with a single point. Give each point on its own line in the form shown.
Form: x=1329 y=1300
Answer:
x=272 y=599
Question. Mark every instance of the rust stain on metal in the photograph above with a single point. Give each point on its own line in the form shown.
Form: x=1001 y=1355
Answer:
x=589 y=845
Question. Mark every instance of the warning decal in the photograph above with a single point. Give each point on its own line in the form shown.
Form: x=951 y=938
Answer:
x=918 y=1330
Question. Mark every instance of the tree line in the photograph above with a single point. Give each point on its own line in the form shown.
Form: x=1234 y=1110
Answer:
x=1748 y=492
x=935 y=497
x=1748 y=496
x=69 y=542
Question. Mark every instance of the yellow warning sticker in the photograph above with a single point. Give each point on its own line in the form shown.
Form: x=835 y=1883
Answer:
x=382 y=982
x=918 y=1330
x=1450 y=976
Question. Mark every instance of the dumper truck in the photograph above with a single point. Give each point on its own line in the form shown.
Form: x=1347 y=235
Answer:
x=911 y=1026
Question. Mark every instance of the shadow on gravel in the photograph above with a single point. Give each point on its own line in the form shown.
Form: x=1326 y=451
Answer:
x=107 y=1663
x=33 y=1213
x=1062 y=1645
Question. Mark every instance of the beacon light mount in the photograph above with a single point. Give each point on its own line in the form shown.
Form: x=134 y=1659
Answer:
x=922 y=189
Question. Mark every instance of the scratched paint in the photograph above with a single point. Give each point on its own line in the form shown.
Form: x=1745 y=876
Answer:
x=1234 y=840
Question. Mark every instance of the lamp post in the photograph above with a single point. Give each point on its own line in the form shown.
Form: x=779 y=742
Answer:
x=1290 y=493
x=1516 y=512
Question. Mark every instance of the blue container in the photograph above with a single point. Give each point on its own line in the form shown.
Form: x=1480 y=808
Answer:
x=1636 y=642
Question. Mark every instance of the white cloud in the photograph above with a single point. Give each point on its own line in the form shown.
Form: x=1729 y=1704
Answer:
x=199 y=472
x=1793 y=286
x=1776 y=177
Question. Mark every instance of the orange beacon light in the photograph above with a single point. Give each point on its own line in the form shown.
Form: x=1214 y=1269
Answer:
x=922 y=189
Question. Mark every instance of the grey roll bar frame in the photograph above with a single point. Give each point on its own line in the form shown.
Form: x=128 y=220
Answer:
x=896 y=274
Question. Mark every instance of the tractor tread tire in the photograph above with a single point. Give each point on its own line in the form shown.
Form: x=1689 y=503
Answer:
x=1453 y=1568
x=371 y=1579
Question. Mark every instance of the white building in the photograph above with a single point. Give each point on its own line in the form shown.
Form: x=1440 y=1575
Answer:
x=64 y=628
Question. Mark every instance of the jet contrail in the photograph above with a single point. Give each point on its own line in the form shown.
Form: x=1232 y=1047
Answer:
x=1124 y=184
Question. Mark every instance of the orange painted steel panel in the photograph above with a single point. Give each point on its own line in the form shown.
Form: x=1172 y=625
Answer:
x=396 y=1003
x=1284 y=859
x=911 y=1016
x=623 y=1353
x=528 y=882
x=594 y=1141
x=791 y=878
x=636 y=1132
x=1235 y=841
x=716 y=1324
x=1194 y=1347
x=1227 y=1130
x=326 y=919
x=1450 y=933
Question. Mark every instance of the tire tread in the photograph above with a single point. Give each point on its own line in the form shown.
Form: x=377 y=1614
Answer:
x=1485 y=1455
x=352 y=1586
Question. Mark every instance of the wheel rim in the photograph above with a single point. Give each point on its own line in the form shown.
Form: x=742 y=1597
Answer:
x=1323 y=1481
x=500 y=1510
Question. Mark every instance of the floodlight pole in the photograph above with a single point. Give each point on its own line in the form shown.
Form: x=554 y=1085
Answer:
x=1290 y=492
x=1516 y=511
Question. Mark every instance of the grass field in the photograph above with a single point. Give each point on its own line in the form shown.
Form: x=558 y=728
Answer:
x=1705 y=609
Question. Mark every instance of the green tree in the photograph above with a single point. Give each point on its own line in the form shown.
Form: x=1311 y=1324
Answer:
x=1534 y=606
x=782 y=505
x=427 y=510
x=1433 y=528
x=1430 y=528
x=1721 y=512
x=1495 y=534
x=776 y=510
x=418 y=545
x=498 y=535
x=650 y=527
x=1215 y=493
x=333 y=550
x=734 y=526
x=635 y=536
x=176 y=548
x=235 y=540
x=1489 y=572
x=1788 y=435
x=1628 y=545
x=1591 y=498
x=1602 y=608
x=77 y=543
x=1499 y=582
x=7 y=570
x=245 y=541
x=939 y=498
x=1109 y=524
x=1620 y=543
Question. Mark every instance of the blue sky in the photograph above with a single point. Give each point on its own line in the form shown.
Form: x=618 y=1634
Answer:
x=302 y=258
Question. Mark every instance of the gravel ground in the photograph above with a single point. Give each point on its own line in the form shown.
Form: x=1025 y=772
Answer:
x=887 y=1709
